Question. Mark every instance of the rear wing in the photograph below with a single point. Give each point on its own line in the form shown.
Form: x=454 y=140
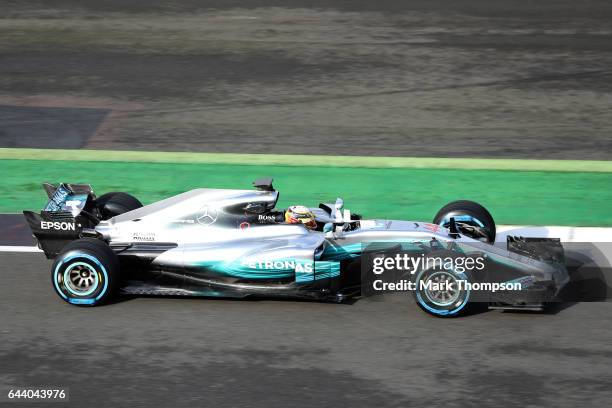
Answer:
x=63 y=218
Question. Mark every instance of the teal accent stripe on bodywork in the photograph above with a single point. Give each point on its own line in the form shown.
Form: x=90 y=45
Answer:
x=241 y=271
x=326 y=270
x=304 y=271
x=340 y=252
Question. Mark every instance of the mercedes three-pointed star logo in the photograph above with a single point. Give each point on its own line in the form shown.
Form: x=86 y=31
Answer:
x=208 y=216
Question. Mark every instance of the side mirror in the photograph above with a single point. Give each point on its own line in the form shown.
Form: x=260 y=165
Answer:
x=338 y=207
x=328 y=227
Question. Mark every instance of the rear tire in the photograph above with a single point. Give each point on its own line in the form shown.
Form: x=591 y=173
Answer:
x=86 y=272
x=115 y=203
x=468 y=212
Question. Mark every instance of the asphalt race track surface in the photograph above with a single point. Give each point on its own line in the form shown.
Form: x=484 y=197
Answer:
x=14 y=231
x=454 y=78
x=268 y=353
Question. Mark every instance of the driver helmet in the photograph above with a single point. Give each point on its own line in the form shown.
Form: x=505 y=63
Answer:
x=300 y=214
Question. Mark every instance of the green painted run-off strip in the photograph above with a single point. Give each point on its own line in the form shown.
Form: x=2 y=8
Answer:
x=513 y=197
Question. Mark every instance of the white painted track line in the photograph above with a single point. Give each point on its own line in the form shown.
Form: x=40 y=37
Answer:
x=566 y=234
x=10 y=248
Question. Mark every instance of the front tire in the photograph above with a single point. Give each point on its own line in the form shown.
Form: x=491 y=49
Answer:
x=471 y=214
x=86 y=273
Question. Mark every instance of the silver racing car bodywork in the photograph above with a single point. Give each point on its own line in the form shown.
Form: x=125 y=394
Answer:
x=219 y=242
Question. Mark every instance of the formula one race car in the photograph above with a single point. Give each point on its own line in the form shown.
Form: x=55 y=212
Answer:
x=234 y=243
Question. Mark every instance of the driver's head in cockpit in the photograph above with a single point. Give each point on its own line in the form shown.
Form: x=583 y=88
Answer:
x=300 y=214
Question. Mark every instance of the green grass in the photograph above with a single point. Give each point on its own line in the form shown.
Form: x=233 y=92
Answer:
x=513 y=197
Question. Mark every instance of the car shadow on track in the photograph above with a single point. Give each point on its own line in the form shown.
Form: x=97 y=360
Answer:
x=590 y=272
